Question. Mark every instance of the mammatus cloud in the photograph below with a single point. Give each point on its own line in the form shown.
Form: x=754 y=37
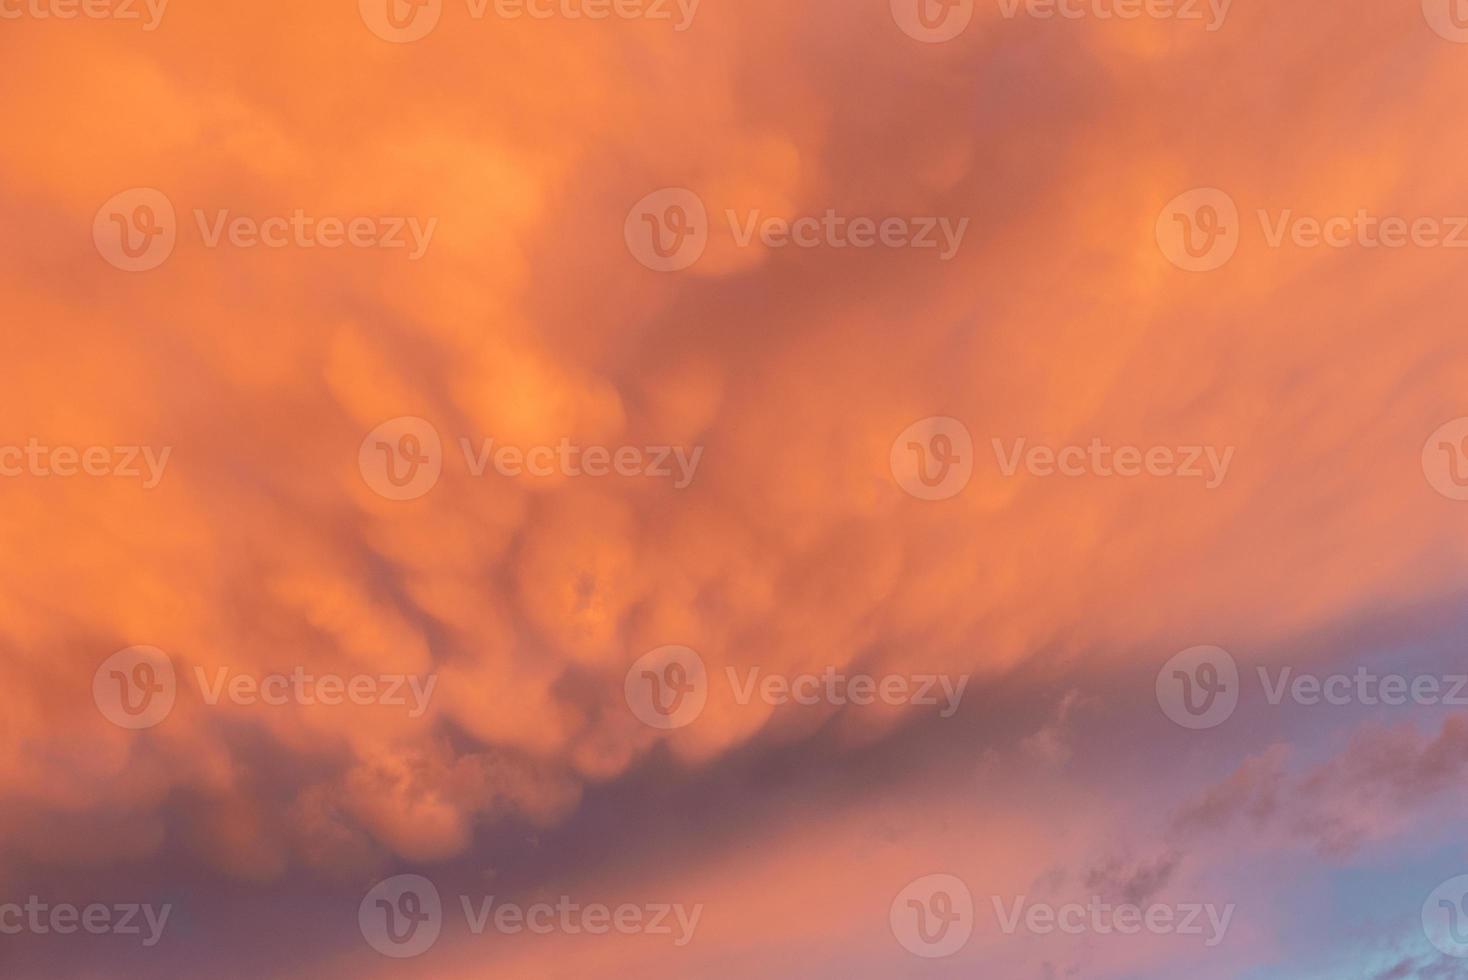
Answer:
x=364 y=228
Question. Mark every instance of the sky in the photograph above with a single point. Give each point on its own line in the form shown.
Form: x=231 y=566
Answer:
x=672 y=489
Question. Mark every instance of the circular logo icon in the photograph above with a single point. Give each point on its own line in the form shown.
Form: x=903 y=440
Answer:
x=933 y=21
x=401 y=459
x=1449 y=18
x=136 y=229
x=667 y=688
x=402 y=916
x=400 y=21
x=1445 y=460
x=135 y=688
x=1445 y=917
x=933 y=917
x=1199 y=231
x=933 y=459
x=668 y=230
x=1199 y=688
